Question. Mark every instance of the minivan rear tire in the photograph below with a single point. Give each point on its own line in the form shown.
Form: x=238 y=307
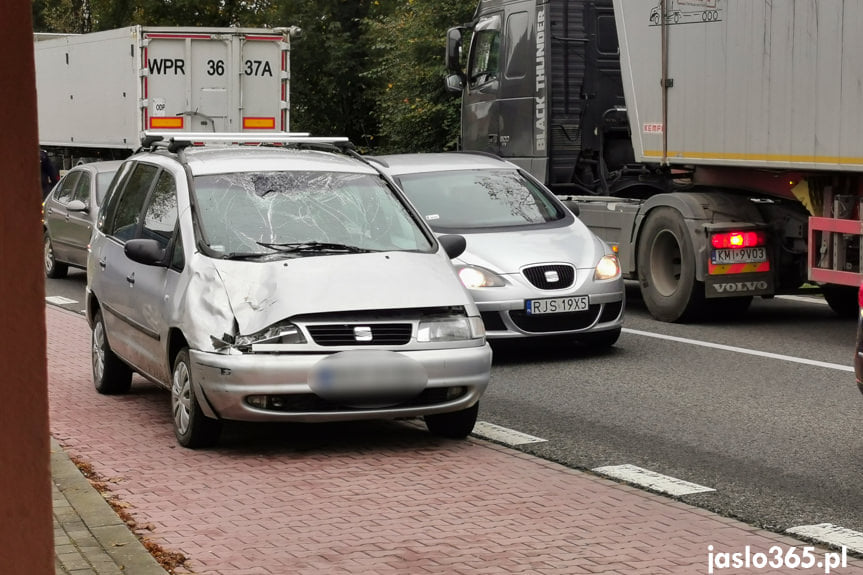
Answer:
x=455 y=424
x=111 y=376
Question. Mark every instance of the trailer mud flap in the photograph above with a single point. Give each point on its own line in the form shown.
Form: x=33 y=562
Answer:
x=739 y=285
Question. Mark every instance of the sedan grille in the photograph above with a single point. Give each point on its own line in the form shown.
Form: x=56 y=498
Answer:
x=550 y=276
x=555 y=321
x=358 y=334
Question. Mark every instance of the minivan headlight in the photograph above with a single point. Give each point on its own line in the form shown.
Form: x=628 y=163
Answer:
x=459 y=328
x=282 y=332
x=476 y=277
x=608 y=268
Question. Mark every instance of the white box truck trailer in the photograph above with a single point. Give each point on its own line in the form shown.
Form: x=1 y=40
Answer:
x=97 y=93
x=715 y=143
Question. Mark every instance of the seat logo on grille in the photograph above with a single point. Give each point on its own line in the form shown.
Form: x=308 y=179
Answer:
x=552 y=277
x=363 y=333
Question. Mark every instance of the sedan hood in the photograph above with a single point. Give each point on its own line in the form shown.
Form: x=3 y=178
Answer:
x=509 y=252
x=262 y=293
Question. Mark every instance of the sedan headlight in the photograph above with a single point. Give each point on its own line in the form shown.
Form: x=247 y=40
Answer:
x=457 y=328
x=278 y=333
x=476 y=277
x=608 y=268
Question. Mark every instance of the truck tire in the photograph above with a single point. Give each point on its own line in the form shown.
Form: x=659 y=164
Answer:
x=666 y=268
x=842 y=300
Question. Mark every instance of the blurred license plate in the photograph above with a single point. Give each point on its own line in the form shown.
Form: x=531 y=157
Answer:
x=739 y=256
x=556 y=305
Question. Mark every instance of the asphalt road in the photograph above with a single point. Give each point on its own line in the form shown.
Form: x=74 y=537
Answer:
x=776 y=438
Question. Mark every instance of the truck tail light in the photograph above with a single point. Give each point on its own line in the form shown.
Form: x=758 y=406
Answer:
x=739 y=240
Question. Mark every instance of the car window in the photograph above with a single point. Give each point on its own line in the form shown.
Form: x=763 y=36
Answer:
x=112 y=195
x=66 y=187
x=103 y=180
x=82 y=189
x=237 y=211
x=479 y=199
x=160 y=217
x=127 y=211
x=485 y=52
x=178 y=258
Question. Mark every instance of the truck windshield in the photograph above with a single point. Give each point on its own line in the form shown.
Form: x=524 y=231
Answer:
x=479 y=199
x=255 y=213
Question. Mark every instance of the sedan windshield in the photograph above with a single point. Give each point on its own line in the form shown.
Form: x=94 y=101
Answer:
x=469 y=199
x=300 y=213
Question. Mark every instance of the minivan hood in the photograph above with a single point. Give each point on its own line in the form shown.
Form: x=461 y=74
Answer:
x=509 y=252
x=261 y=293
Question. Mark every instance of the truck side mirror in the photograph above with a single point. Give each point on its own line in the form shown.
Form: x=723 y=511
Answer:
x=453 y=50
x=454 y=83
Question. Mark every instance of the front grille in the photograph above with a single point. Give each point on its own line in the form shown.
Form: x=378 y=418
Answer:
x=555 y=321
x=343 y=334
x=537 y=276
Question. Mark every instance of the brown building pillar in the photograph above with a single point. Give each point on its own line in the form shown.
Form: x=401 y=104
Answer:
x=26 y=522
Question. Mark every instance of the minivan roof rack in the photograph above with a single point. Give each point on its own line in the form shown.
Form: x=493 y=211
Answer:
x=175 y=141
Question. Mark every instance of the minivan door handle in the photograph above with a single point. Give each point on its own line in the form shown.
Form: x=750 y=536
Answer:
x=103 y=262
x=131 y=278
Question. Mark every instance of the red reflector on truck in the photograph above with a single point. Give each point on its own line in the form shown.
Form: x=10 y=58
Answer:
x=167 y=122
x=738 y=240
x=250 y=123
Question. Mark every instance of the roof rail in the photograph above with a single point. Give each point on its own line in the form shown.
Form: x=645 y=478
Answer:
x=178 y=140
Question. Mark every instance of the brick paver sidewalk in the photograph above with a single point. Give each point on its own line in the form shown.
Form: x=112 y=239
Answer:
x=373 y=498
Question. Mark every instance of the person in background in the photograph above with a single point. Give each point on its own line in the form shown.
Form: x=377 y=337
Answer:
x=50 y=175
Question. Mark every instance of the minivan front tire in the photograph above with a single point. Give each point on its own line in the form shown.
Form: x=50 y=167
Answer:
x=455 y=424
x=192 y=428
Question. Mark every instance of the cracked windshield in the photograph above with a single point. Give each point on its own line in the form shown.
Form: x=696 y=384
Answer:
x=484 y=199
x=262 y=213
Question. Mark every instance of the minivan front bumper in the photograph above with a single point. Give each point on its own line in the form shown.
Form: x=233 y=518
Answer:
x=453 y=379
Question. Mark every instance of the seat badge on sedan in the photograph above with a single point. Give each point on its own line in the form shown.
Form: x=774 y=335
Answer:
x=363 y=333
x=552 y=277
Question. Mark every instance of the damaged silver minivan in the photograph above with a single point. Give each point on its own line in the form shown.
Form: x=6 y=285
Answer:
x=273 y=283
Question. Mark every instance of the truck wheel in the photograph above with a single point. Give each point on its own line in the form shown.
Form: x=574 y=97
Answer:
x=53 y=268
x=110 y=374
x=666 y=268
x=455 y=425
x=842 y=299
x=192 y=428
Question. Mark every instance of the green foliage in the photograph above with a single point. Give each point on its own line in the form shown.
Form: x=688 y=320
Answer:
x=415 y=111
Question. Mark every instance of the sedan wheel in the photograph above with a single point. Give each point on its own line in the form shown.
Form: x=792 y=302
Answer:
x=53 y=268
x=456 y=424
x=192 y=428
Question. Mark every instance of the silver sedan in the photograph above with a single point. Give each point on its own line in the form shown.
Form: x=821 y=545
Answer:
x=533 y=268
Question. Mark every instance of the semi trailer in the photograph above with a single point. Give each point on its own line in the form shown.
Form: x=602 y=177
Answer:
x=99 y=92
x=715 y=144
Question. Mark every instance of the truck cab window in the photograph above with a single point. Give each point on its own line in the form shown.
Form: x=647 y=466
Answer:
x=484 y=65
x=517 y=49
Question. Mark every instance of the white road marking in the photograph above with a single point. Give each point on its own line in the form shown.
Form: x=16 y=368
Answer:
x=743 y=350
x=831 y=535
x=60 y=300
x=804 y=299
x=652 y=480
x=503 y=435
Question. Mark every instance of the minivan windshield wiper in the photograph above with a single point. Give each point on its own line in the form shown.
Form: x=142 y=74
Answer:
x=294 y=247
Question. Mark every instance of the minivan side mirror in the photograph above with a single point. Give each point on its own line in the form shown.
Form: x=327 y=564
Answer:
x=145 y=251
x=453 y=244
